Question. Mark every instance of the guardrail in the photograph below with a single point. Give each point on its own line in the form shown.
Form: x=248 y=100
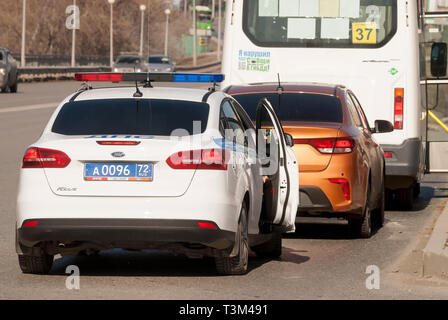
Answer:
x=62 y=60
x=30 y=74
x=205 y=66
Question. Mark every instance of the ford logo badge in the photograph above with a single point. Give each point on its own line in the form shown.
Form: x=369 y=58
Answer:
x=118 y=154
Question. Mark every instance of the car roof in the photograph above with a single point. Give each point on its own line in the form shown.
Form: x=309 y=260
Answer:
x=129 y=56
x=169 y=93
x=313 y=87
x=158 y=56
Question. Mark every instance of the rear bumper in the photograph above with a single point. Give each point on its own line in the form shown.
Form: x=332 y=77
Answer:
x=113 y=231
x=313 y=199
x=406 y=165
x=220 y=205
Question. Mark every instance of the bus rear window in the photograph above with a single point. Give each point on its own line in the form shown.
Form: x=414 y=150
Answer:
x=156 y=117
x=320 y=23
x=295 y=107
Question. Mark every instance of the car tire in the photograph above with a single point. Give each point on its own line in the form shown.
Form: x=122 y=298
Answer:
x=362 y=228
x=405 y=198
x=378 y=213
x=416 y=190
x=270 y=249
x=13 y=88
x=40 y=264
x=236 y=265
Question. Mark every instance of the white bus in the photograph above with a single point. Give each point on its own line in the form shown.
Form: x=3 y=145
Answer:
x=370 y=46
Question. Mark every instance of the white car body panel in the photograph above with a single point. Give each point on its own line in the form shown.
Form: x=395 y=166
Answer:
x=209 y=195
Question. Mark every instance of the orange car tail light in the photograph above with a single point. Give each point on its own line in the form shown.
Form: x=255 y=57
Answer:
x=345 y=186
x=398 y=108
x=329 y=145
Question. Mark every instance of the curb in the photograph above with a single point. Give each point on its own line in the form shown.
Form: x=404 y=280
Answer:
x=435 y=254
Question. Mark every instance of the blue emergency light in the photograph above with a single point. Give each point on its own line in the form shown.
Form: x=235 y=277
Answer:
x=198 y=77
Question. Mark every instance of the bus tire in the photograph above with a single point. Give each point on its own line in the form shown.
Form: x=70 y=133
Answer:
x=405 y=198
x=416 y=190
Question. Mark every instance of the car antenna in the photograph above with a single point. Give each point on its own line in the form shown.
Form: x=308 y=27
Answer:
x=213 y=89
x=279 y=91
x=279 y=88
x=138 y=93
x=148 y=80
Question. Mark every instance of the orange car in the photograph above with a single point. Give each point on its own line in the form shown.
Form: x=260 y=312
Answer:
x=341 y=166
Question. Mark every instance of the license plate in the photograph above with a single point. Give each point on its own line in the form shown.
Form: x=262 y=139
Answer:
x=118 y=171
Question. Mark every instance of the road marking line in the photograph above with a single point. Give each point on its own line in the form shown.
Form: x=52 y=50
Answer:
x=28 y=108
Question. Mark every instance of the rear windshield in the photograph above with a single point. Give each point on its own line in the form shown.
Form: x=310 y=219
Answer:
x=320 y=23
x=130 y=60
x=130 y=117
x=1 y=55
x=300 y=107
x=164 y=60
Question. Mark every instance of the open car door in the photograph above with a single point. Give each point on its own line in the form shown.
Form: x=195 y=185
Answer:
x=279 y=164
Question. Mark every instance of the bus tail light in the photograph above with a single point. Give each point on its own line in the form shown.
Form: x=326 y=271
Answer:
x=207 y=225
x=45 y=158
x=398 y=108
x=206 y=159
x=30 y=223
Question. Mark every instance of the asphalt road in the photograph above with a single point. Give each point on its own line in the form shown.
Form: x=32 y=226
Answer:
x=320 y=261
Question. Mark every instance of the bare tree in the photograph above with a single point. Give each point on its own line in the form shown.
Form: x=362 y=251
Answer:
x=46 y=32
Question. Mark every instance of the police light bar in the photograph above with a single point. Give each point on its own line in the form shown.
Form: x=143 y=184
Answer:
x=150 y=77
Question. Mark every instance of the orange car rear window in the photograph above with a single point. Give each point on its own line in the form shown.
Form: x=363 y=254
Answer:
x=301 y=107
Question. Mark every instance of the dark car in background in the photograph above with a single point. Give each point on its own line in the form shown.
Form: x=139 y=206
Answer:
x=130 y=63
x=161 y=63
x=9 y=75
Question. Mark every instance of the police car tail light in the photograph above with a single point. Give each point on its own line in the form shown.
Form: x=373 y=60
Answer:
x=398 y=108
x=45 y=158
x=118 y=143
x=205 y=159
x=329 y=145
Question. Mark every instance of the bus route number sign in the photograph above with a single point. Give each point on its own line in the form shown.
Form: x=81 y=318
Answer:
x=364 y=32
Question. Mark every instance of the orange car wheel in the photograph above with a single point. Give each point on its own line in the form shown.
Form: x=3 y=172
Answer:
x=363 y=227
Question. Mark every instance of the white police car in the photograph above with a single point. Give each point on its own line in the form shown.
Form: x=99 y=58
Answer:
x=156 y=168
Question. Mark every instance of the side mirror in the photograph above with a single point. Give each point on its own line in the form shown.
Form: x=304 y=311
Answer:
x=438 y=59
x=289 y=140
x=383 y=126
